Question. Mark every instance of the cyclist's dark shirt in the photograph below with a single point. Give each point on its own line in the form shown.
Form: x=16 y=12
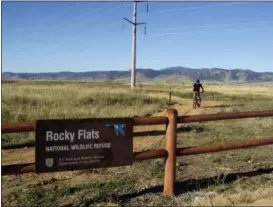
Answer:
x=196 y=87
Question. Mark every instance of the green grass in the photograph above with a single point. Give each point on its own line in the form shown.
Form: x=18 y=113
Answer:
x=87 y=194
x=216 y=96
x=124 y=99
x=28 y=102
x=141 y=183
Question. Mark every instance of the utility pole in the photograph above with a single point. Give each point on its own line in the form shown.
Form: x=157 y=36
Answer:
x=134 y=23
x=133 y=72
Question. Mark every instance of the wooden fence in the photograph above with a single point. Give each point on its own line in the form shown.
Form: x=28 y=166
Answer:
x=170 y=151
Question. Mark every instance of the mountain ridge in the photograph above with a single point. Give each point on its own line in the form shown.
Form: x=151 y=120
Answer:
x=174 y=74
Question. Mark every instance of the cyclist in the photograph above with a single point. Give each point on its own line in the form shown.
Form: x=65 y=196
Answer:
x=196 y=89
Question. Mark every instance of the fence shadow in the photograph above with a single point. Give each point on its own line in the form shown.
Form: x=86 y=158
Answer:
x=18 y=146
x=189 y=185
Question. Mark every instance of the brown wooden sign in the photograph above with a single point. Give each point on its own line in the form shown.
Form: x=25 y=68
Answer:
x=76 y=144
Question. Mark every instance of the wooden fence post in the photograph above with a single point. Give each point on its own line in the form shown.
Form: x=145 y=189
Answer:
x=170 y=146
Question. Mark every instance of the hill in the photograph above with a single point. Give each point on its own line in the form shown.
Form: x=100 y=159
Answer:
x=174 y=74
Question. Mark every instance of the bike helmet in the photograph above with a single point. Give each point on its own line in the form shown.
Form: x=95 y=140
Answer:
x=197 y=81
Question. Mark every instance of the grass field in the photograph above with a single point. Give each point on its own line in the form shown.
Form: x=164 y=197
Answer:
x=237 y=177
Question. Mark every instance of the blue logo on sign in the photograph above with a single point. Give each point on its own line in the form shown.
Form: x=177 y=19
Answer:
x=118 y=128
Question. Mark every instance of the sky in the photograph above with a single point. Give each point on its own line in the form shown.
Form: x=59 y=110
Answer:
x=90 y=36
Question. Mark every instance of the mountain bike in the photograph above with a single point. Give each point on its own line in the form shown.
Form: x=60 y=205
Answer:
x=196 y=101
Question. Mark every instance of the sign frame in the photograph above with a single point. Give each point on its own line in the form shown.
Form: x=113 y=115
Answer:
x=78 y=144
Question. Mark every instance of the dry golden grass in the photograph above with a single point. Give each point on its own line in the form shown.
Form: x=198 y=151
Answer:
x=205 y=179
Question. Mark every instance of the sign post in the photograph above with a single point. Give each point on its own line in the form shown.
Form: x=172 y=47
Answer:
x=63 y=145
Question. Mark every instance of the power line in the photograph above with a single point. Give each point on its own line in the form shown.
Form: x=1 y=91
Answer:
x=61 y=25
x=204 y=25
x=181 y=33
x=96 y=15
x=53 y=14
x=228 y=30
x=200 y=7
x=212 y=25
x=190 y=8
x=193 y=8
x=119 y=6
x=111 y=24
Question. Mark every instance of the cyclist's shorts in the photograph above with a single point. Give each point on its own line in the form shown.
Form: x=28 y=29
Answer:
x=196 y=93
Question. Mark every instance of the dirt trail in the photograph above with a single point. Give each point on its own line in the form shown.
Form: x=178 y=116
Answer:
x=183 y=106
x=27 y=155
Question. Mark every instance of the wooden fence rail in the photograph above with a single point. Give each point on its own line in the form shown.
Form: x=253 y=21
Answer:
x=154 y=120
x=170 y=152
x=30 y=167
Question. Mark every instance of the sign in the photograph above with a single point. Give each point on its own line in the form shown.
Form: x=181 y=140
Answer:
x=76 y=144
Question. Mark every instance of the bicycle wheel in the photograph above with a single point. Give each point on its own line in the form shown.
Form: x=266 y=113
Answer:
x=194 y=103
x=198 y=103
